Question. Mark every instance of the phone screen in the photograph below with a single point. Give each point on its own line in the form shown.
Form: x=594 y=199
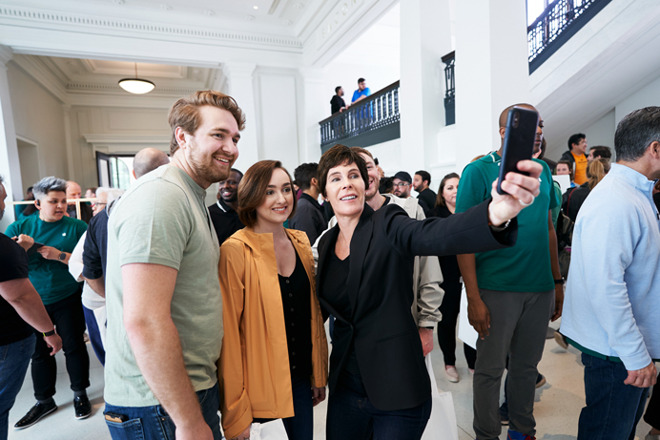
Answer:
x=519 y=138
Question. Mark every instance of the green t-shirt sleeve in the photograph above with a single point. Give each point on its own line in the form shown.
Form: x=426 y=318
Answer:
x=473 y=188
x=159 y=233
x=11 y=230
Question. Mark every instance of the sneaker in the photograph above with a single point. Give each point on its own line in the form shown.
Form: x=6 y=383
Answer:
x=561 y=340
x=82 y=407
x=540 y=381
x=451 y=373
x=36 y=413
x=515 y=435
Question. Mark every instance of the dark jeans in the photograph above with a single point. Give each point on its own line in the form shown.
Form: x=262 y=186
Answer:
x=450 y=308
x=153 y=422
x=613 y=408
x=652 y=414
x=14 y=361
x=300 y=426
x=352 y=416
x=67 y=315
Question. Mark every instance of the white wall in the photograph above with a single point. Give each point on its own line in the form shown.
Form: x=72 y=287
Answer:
x=599 y=133
x=39 y=118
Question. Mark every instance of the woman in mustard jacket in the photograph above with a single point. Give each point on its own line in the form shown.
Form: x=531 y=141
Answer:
x=274 y=358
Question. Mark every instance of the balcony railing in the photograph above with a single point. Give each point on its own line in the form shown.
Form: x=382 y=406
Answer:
x=559 y=22
x=450 y=88
x=373 y=120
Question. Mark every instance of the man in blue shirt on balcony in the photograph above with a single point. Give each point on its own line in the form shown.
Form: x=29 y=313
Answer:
x=613 y=291
x=361 y=92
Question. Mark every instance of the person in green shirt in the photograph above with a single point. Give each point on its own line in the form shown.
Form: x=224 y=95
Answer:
x=511 y=293
x=49 y=238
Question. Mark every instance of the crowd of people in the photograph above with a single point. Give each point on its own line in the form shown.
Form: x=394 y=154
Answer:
x=195 y=310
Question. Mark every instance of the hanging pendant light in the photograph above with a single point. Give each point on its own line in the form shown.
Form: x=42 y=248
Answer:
x=136 y=85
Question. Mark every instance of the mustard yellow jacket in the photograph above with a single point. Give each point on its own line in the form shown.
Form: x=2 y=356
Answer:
x=253 y=370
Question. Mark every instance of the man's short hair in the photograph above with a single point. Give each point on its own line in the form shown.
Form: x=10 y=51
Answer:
x=237 y=171
x=404 y=176
x=185 y=112
x=48 y=184
x=601 y=151
x=337 y=89
x=424 y=175
x=340 y=155
x=304 y=175
x=635 y=133
x=365 y=151
x=252 y=190
x=575 y=139
x=361 y=80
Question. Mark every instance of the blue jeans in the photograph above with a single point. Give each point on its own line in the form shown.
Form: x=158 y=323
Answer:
x=613 y=408
x=352 y=416
x=300 y=426
x=14 y=361
x=153 y=422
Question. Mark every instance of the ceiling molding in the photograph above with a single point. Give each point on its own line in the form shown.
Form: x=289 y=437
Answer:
x=69 y=22
x=40 y=72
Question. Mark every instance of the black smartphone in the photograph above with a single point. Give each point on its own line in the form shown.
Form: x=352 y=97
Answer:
x=519 y=139
x=35 y=247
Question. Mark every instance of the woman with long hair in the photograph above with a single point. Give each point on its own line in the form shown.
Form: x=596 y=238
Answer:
x=274 y=357
x=446 y=206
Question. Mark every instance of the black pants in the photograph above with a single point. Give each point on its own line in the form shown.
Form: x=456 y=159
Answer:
x=67 y=315
x=652 y=414
x=449 y=308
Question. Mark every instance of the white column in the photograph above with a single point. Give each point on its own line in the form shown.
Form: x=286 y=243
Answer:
x=240 y=85
x=425 y=38
x=71 y=169
x=311 y=110
x=10 y=167
x=491 y=71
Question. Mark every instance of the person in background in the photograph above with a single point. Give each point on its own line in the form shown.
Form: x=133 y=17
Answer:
x=386 y=185
x=426 y=195
x=21 y=313
x=73 y=192
x=90 y=193
x=402 y=184
x=309 y=216
x=274 y=358
x=337 y=103
x=600 y=151
x=361 y=92
x=60 y=293
x=223 y=212
x=574 y=198
x=446 y=206
x=613 y=287
x=21 y=211
x=577 y=157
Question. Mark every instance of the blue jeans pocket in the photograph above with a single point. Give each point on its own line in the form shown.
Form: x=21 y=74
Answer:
x=128 y=430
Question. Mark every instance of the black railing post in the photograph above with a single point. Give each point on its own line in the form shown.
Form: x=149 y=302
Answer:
x=450 y=88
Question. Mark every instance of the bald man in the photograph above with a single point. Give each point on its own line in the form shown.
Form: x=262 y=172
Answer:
x=148 y=159
x=73 y=192
x=511 y=295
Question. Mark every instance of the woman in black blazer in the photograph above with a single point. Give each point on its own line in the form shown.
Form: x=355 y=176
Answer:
x=379 y=386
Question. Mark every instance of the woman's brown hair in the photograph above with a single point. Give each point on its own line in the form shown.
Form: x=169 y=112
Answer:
x=340 y=155
x=252 y=190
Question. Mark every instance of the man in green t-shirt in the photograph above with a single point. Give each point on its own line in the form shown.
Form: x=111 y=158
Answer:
x=511 y=295
x=162 y=288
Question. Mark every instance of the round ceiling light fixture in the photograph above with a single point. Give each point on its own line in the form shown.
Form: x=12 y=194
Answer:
x=136 y=85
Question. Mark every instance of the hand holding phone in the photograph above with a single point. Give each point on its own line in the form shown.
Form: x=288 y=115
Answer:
x=519 y=138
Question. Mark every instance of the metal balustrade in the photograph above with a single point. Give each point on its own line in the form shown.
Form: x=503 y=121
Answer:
x=558 y=22
x=373 y=120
